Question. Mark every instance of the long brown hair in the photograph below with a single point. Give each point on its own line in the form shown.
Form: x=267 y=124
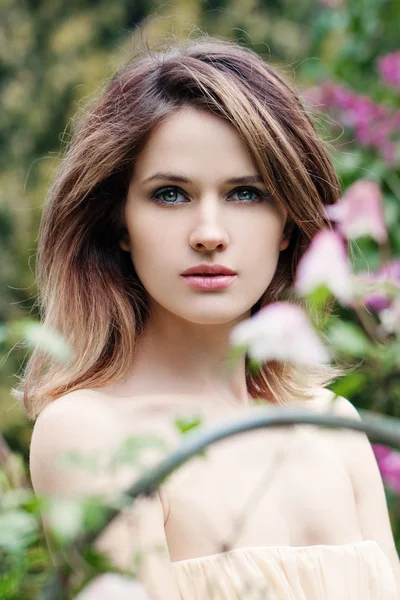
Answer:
x=88 y=287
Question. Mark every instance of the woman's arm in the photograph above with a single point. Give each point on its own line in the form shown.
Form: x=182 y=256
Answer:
x=368 y=488
x=80 y=423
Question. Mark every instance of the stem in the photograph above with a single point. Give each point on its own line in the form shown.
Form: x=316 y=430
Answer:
x=369 y=324
x=381 y=429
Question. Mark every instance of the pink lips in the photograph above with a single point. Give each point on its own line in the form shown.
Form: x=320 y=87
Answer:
x=205 y=269
x=209 y=282
x=209 y=277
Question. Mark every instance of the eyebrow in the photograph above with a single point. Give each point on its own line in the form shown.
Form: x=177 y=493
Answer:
x=174 y=177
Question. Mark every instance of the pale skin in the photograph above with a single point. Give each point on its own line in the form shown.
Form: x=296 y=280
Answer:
x=185 y=345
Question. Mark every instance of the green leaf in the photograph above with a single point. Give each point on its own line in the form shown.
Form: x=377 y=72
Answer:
x=48 y=340
x=65 y=518
x=316 y=303
x=129 y=451
x=100 y=561
x=234 y=354
x=16 y=498
x=187 y=423
x=94 y=514
x=76 y=459
x=18 y=530
x=42 y=337
x=349 y=339
x=347 y=386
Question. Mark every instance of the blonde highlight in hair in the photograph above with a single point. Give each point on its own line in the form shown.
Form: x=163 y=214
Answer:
x=89 y=290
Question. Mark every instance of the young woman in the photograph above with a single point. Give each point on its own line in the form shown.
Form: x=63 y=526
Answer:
x=199 y=158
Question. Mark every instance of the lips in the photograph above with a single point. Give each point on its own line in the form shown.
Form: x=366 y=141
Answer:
x=208 y=270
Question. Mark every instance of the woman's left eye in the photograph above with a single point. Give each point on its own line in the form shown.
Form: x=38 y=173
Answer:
x=249 y=194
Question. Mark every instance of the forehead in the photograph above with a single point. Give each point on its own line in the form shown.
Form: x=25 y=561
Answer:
x=194 y=140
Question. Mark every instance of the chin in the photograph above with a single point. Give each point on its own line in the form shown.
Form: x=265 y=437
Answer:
x=216 y=317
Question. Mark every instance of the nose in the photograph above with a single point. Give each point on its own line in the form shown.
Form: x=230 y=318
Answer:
x=209 y=234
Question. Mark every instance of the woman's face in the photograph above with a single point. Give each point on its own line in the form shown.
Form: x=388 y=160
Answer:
x=173 y=225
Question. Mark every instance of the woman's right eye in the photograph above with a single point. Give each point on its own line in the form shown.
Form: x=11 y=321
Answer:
x=167 y=195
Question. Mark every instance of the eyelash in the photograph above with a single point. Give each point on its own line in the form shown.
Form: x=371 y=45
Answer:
x=155 y=195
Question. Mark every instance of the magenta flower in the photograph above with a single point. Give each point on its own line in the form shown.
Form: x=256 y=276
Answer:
x=381 y=299
x=280 y=331
x=389 y=465
x=360 y=211
x=374 y=125
x=325 y=263
x=389 y=69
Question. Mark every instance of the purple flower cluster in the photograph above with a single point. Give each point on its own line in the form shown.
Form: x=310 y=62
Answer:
x=389 y=272
x=389 y=69
x=389 y=465
x=375 y=125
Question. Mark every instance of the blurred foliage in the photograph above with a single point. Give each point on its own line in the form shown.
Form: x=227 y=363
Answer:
x=55 y=56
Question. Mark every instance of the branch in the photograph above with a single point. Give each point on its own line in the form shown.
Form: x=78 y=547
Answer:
x=378 y=428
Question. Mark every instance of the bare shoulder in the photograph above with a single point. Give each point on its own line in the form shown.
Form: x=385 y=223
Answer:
x=89 y=424
x=72 y=417
x=325 y=400
x=92 y=427
x=347 y=442
x=79 y=423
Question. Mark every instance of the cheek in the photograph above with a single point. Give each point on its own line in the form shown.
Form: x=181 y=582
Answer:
x=265 y=236
x=152 y=243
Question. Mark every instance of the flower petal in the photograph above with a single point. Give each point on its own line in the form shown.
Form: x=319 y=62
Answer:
x=325 y=263
x=280 y=331
x=360 y=212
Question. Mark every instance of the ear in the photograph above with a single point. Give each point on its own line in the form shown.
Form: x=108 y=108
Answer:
x=284 y=244
x=124 y=242
x=287 y=234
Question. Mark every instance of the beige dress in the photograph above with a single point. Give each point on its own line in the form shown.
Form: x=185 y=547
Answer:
x=354 y=571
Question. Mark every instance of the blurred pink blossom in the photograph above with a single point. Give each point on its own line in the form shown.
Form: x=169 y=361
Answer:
x=389 y=273
x=389 y=68
x=360 y=211
x=280 y=331
x=375 y=125
x=325 y=263
x=389 y=465
x=390 y=317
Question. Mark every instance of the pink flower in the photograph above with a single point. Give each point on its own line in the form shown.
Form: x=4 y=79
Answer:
x=389 y=68
x=360 y=211
x=390 y=317
x=325 y=263
x=381 y=299
x=374 y=125
x=389 y=465
x=280 y=331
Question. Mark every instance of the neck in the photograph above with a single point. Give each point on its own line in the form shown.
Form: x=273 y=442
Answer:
x=176 y=356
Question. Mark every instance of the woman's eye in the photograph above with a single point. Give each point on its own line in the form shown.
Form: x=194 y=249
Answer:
x=248 y=194
x=167 y=195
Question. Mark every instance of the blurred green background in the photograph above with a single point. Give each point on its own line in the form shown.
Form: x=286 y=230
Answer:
x=54 y=56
